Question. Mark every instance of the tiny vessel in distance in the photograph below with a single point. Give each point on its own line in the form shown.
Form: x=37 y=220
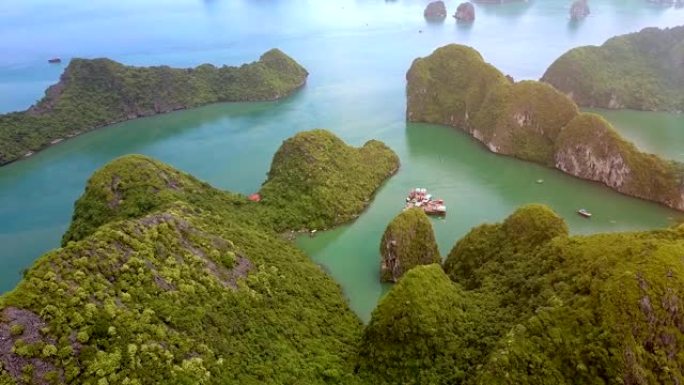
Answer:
x=54 y=60
x=584 y=212
x=419 y=197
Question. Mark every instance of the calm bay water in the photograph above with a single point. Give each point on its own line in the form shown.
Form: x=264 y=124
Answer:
x=357 y=53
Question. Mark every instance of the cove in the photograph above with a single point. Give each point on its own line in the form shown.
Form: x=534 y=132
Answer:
x=357 y=53
x=478 y=186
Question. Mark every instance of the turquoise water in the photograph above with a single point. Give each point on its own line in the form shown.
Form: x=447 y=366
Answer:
x=357 y=53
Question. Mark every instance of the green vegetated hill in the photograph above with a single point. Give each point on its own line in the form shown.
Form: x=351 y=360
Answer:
x=99 y=92
x=163 y=279
x=316 y=181
x=528 y=304
x=642 y=70
x=408 y=241
x=533 y=121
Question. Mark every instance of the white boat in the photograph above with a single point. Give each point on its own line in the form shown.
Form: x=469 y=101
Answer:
x=584 y=212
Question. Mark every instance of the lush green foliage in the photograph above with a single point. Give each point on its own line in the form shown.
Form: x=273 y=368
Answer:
x=483 y=251
x=532 y=121
x=182 y=296
x=454 y=86
x=164 y=279
x=420 y=333
x=316 y=181
x=643 y=70
x=408 y=241
x=95 y=93
x=531 y=305
x=575 y=310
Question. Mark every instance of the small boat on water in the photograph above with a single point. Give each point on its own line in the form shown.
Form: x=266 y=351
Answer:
x=54 y=60
x=584 y=212
x=419 y=197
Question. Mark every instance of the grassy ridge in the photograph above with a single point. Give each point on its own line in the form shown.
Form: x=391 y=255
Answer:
x=94 y=93
x=531 y=120
x=642 y=70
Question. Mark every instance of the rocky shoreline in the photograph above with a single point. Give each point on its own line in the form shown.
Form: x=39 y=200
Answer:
x=533 y=121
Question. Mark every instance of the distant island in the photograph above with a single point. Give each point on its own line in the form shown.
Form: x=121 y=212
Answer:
x=531 y=120
x=163 y=279
x=99 y=92
x=641 y=71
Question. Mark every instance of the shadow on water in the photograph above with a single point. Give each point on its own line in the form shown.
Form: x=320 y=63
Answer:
x=435 y=22
x=464 y=26
x=574 y=26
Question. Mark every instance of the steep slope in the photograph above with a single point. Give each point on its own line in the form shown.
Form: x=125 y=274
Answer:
x=590 y=148
x=614 y=316
x=408 y=241
x=177 y=296
x=99 y=92
x=593 y=309
x=164 y=279
x=642 y=70
x=532 y=121
x=316 y=181
x=420 y=333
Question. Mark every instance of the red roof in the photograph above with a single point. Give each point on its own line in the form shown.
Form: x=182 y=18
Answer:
x=254 y=197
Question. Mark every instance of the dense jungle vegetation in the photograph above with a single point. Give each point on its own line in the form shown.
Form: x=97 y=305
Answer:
x=99 y=92
x=642 y=71
x=533 y=121
x=165 y=279
x=408 y=241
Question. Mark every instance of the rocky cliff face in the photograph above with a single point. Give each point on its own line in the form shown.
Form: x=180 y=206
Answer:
x=465 y=12
x=407 y=242
x=532 y=121
x=590 y=148
x=435 y=11
x=579 y=10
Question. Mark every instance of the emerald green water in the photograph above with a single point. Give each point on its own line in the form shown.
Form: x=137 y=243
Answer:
x=655 y=132
x=357 y=52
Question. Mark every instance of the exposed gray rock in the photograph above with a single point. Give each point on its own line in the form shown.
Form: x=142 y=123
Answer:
x=435 y=11
x=465 y=12
x=579 y=10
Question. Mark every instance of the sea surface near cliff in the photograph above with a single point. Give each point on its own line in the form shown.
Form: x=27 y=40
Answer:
x=357 y=53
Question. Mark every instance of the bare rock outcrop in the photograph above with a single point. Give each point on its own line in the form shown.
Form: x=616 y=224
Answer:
x=465 y=12
x=408 y=242
x=579 y=10
x=435 y=11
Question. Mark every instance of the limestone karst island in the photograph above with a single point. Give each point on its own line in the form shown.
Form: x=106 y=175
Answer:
x=352 y=192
